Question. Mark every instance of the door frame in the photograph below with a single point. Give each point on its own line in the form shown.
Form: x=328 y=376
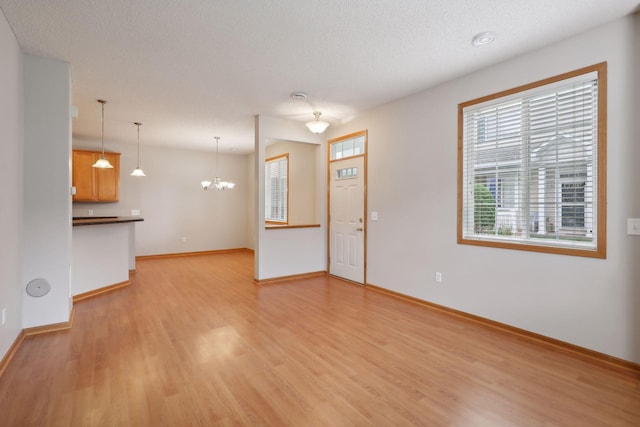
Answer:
x=365 y=133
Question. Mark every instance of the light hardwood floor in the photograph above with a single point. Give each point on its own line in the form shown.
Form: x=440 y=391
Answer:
x=194 y=342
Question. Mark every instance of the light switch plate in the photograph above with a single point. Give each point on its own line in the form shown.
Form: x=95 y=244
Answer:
x=633 y=226
x=374 y=216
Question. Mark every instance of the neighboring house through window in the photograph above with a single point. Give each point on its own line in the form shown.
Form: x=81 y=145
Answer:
x=531 y=166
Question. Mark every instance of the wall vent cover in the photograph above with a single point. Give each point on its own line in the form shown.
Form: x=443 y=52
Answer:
x=38 y=287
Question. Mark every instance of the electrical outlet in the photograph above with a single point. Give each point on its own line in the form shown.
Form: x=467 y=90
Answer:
x=135 y=212
x=438 y=277
x=90 y=212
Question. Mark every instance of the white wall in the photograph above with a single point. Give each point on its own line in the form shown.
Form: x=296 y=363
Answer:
x=630 y=154
x=47 y=183
x=412 y=184
x=99 y=256
x=286 y=252
x=171 y=199
x=251 y=202
x=11 y=135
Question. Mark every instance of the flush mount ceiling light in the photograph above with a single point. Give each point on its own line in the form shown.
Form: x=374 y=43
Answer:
x=137 y=171
x=317 y=125
x=484 y=38
x=218 y=183
x=102 y=162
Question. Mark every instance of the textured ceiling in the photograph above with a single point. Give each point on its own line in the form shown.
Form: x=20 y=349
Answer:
x=193 y=69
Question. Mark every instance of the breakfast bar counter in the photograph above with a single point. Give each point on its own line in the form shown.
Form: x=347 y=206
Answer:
x=95 y=220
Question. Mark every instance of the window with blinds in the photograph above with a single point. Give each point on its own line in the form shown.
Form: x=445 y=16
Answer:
x=276 y=195
x=532 y=166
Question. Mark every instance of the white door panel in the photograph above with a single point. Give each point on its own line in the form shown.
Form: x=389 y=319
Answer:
x=339 y=249
x=347 y=220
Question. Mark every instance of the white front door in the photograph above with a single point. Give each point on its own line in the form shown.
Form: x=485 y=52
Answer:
x=347 y=219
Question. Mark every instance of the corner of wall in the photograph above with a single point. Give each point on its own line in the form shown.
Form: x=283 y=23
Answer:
x=46 y=215
x=11 y=193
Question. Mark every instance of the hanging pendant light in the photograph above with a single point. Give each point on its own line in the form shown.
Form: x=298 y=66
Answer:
x=317 y=125
x=218 y=183
x=102 y=162
x=137 y=171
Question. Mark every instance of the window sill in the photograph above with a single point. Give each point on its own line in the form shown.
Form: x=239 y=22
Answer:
x=279 y=227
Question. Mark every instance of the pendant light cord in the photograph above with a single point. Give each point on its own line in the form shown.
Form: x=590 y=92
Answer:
x=102 y=137
x=138 y=163
x=217 y=155
x=102 y=101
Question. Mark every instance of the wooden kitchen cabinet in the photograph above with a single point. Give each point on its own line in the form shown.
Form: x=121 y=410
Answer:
x=94 y=184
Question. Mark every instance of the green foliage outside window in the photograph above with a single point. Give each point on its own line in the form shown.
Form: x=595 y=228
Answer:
x=484 y=209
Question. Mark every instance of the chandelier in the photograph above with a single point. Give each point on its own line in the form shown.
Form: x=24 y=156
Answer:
x=217 y=182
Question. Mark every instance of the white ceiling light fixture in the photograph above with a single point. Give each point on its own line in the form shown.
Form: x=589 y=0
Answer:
x=102 y=162
x=484 y=38
x=137 y=171
x=317 y=125
x=218 y=183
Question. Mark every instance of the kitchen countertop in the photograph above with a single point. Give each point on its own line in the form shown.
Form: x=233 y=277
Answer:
x=95 y=220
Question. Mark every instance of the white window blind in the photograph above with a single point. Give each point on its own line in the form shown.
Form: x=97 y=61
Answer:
x=276 y=189
x=530 y=166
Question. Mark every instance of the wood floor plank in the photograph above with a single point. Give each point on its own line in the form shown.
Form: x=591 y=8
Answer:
x=193 y=342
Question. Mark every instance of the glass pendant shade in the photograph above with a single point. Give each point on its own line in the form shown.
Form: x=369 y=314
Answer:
x=317 y=125
x=102 y=162
x=137 y=171
x=223 y=185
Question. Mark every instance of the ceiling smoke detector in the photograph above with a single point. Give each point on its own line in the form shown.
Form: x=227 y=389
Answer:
x=483 y=39
x=299 y=96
